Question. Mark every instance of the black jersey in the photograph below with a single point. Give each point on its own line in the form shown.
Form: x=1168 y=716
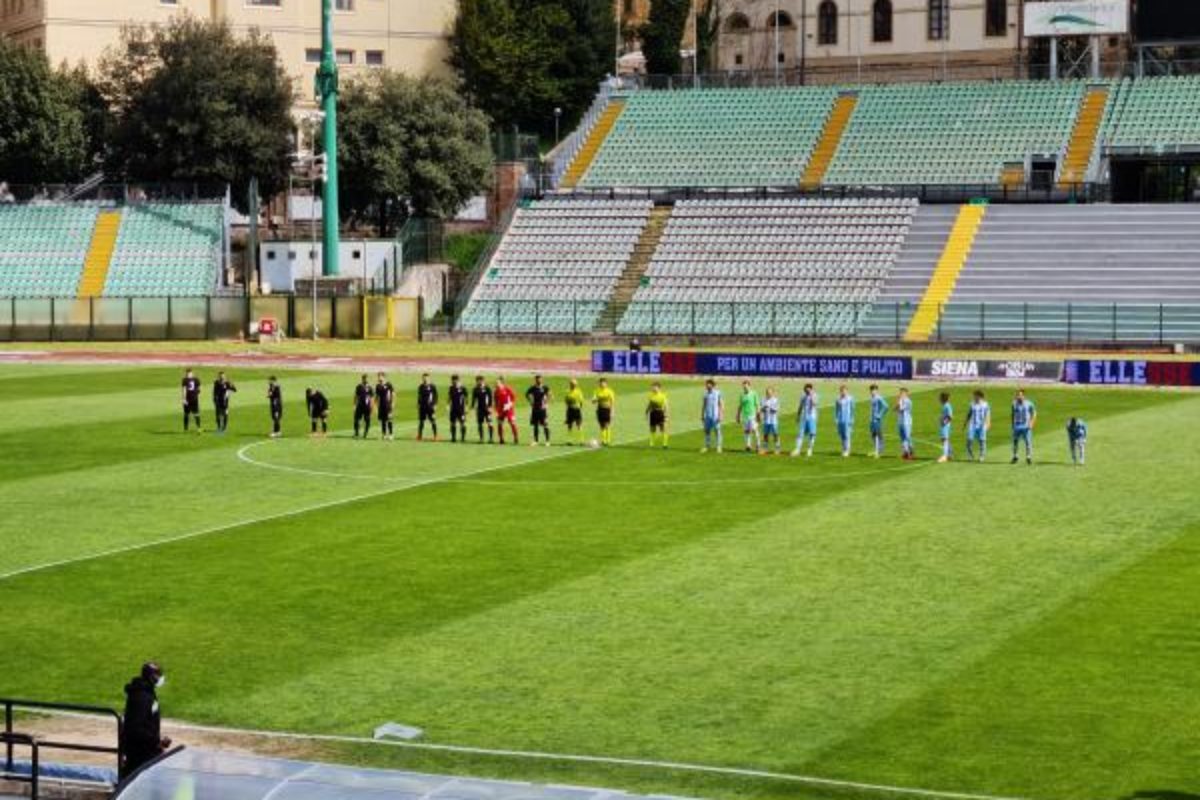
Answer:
x=385 y=394
x=458 y=400
x=481 y=400
x=427 y=397
x=362 y=395
x=191 y=388
x=538 y=396
x=221 y=392
x=318 y=404
x=275 y=398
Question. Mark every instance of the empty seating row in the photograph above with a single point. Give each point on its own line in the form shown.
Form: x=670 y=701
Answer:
x=552 y=272
x=167 y=249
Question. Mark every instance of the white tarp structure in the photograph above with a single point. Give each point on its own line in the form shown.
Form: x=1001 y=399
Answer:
x=207 y=775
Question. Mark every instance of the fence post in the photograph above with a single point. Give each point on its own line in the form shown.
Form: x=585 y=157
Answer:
x=1160 y=325
x=537 y=316
x=983 y=322
x=91 y=319
x=733 y=319
x=129 y=319
x=1114 y=322
x=692 y=308
x=12 y=320
x=208 y=318
x=575 y=317
x=52 y=319
x=653 y=317
x=1025 y=322
x=1069 y=321
x=170 y=319
x=774 y=331
x=898 y=320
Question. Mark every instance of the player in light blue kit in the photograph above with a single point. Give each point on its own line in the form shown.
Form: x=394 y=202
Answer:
x=904 y=424
x=979 y=422
x=843 y=415
x=712 y=415
x=1024 y=417
x=770 y=421
x=806 y=416
x=879 y=409
x=1077 y=437
x=947 y=425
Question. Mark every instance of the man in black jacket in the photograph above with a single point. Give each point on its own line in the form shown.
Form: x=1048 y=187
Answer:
x=141 y=735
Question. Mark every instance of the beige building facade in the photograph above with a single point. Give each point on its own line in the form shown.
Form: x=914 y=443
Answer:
x=843 y=37
x=404 y=35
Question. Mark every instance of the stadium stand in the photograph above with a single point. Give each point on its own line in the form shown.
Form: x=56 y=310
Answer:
x=712 y=138
x=167 y=250
x=1156 y=114
x=1093 y=257
x=775 y=266
x=952 y=133
x=42 y=248
x=557 y=266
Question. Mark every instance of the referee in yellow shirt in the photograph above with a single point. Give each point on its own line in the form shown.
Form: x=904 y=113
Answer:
x=657 y=413
x=605 y=400
x=574 y=402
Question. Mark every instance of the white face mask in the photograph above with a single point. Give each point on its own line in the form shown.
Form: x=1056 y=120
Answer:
x=161 y=682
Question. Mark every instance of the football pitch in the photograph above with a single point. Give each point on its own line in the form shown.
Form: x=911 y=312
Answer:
x=981 y=629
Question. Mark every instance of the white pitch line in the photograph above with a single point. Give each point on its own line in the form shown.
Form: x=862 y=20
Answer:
x=133 y=548
x=677 y=766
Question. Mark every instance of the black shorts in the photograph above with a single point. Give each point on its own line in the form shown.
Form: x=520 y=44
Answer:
x=574 y=417
x=658 y=419
x=604 y=416
x=458 y=415
x=384 y=413
x=537 y=416
x=427 y=414
x=483 y=416
x=192 y=405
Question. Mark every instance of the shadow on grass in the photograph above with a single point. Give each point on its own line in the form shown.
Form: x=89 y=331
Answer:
x=1161 y=794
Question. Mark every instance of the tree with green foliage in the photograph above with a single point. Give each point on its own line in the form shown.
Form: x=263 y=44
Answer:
x=409 y=147
x=708 y=36
x=520 y=59
x=44 y=134
x=662 y=36
x=194 y=102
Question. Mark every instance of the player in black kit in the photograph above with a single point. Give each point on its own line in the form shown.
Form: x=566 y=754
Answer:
x=458 y=410
x=427 y=401
x=191 y=399
x=538 y=396
x=318 y=410
x=363 y=396
x=222 y=388
x=275 y=399
x=481 y=401
x=385 y=402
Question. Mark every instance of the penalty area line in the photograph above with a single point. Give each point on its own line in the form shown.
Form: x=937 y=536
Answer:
x=674 y=766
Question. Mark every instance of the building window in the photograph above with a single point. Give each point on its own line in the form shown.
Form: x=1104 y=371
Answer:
x=345 y=57
x=782 y=19
x=267 y=3
x=827 y=22
x=737 y=60
x=997 y=17
x=737 y=23
x=939 y=19
x=344 y=5
x=313 y=55
x=881 y=21
x=374 y=58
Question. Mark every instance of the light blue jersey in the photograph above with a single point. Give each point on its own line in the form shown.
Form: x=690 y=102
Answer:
x=978 y=418
x=879 y=410
x=947 y=420
x=1023 y=412
x=904 y=425
x=712 y=406
x=770 y=416
x=843 y=410
x=809 y=404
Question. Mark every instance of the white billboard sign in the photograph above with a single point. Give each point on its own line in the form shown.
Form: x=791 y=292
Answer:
x=1079 y=18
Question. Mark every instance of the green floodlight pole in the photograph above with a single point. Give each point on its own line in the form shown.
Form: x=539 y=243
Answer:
x=327 y=92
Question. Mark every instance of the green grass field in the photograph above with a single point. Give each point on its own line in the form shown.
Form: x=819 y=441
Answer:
x=986 y=629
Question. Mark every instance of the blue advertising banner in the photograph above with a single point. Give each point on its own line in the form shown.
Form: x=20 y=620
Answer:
x=653 y=362
x=1124 y=372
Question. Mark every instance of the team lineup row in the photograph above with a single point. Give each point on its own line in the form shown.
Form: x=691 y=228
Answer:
x=494 y=409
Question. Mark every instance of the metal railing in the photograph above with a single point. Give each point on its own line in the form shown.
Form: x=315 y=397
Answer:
x=479 y=269
x=1065 y=323
x=13 y=739
x=1048 y=191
